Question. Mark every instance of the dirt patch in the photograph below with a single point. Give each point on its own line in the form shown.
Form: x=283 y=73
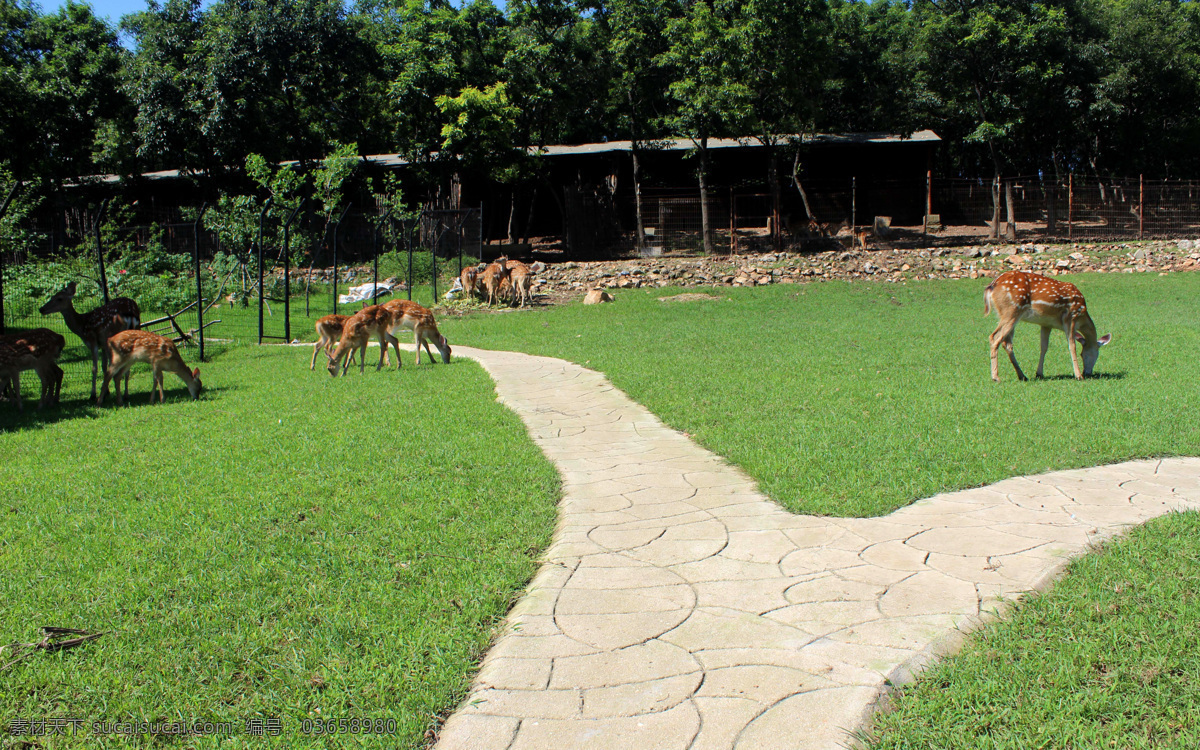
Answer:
x=690 y=297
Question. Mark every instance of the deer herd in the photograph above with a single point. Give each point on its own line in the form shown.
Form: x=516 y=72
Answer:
x=111 y=333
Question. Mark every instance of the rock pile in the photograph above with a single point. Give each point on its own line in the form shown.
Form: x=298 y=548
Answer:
x=573 y=278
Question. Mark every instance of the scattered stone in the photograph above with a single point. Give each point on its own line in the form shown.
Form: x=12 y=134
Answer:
x=596 y=296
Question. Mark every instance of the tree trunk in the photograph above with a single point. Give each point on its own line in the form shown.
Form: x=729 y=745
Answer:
x=512 y=217
x=796 y=180
x=773 y=181
x=996 y=206
x=1012 y=217
x=704 y=225
x=529 y=219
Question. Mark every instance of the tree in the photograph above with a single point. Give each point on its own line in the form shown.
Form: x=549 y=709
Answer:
x=784 y=45
x=708 y=86
x=62 y=76
x=637 y=34
x=997 y=69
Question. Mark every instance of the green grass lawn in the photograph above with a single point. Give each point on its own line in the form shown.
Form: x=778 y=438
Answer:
x=288 y=546
x=856 y=399
x=1108 y=658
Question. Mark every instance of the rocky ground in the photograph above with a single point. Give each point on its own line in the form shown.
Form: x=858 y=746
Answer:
x=567 y=280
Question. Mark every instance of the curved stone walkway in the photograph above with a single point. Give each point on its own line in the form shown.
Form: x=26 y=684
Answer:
x=680 y=609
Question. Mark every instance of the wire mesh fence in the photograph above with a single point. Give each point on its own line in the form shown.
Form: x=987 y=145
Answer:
x=195 y=287
x=918 y=213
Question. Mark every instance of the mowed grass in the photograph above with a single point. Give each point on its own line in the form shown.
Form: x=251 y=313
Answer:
x=856 y=399
x=288 y=546
x=1108 y=658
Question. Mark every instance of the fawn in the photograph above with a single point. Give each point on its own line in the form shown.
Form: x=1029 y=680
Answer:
x=420 y=321
x=493 y=277
x=1020 y=296
x=356 y=332
x=329 y=330
x=127 y=347
x=36 y=350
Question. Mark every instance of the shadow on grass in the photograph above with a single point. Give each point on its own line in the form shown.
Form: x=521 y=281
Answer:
x=85 y=408
x=1094 y=376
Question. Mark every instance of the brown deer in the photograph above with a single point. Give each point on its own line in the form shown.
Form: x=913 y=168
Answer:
x=493 y=277
x=419 y=320
x=1020 y=296
x=128 y=347
x=470 y=280
x=329 y=331
x=521 y=279
x=94 y=328
x=36 y=350
x=370 y=321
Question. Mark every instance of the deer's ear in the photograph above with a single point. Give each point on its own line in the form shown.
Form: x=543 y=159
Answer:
x=1104 y=339
x=1079 y=337
x=196 y=373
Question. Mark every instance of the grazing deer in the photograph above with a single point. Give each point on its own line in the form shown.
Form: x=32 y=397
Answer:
x=128 y=347
x=36 y=350
x=521 y=279
x=470 y=280
x=94 y=328
x=1020 y=296
x=329 y=331
x=357 y=331
x=493 y=277
x=419 y=320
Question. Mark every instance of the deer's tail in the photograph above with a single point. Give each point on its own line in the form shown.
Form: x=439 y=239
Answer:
x=987 y=299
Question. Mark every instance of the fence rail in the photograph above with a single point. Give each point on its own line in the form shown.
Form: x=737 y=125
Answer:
x=208 y=297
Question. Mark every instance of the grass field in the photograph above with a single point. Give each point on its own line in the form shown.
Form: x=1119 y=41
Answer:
x=838 y=399
x=1108 y=658
x=288 y=546
x=856 y=399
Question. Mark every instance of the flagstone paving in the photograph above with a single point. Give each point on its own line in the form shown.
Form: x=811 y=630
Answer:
x=679 y=609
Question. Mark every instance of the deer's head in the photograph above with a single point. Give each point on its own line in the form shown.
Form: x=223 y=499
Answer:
x=60 y=301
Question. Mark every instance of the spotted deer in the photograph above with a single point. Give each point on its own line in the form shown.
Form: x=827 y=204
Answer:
x=37 y=350
x=329 y=331
x=94 y=328
x=493 y=277
x=127 y=348
x=1020 y=296
x=419 y=320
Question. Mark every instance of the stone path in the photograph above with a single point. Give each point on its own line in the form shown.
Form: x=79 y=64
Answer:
x=680 y=609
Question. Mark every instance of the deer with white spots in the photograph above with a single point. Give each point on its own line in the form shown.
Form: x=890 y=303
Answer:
x=94 y=328
x=1019 y=296
x=126 y=348
x=36 y=350
x=493 y=277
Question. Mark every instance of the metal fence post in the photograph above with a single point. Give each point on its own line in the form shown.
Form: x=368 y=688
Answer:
x=199 y=286
x=375 y=251
x=1070 y=205
x=287 y=272
x=337 y=228
x=262 y=217
x=853 y=206
x=3 y=210
x=408 y=282
x=1141 y=205
x=100 y=249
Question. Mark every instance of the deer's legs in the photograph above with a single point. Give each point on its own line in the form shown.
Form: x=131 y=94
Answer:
x=1045 y=348
x=395 y=342
x=14 y=380
x=316 y=349
x=1071 y=347
x=1002 y=336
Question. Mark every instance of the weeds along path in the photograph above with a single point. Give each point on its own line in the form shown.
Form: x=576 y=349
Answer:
x=677 y=607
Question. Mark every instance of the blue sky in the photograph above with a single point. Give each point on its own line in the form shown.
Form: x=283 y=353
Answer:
x=113 y=9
